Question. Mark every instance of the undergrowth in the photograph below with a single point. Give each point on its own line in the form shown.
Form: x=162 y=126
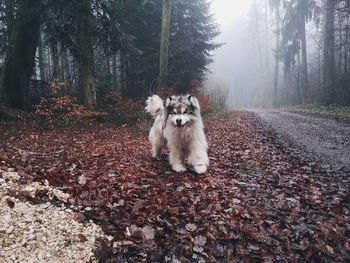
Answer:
x=333 y=109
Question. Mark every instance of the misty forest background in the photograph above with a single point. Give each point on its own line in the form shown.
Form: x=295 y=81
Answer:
x=293 y=51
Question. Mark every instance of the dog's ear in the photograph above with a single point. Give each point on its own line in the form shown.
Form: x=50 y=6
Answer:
x=168 y=101
x=194 y=102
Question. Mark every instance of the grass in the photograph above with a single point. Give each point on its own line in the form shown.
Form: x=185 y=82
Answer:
x=333 y=110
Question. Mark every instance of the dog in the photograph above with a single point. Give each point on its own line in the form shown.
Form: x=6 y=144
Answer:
x=179 y=127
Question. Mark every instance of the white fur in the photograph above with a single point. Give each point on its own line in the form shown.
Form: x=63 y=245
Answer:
x=154 y=105
x=187 y=142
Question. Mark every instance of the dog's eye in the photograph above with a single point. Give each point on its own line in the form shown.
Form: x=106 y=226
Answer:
x=185 y=112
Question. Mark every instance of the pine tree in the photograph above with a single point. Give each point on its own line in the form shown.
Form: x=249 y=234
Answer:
x=192 y=32
x=293 y=43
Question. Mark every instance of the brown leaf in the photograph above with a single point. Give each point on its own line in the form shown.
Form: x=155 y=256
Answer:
x=330 y=249
x=127 y=243
x=10 y=202
x=79 y=217
x=82 y=238
x=173 y=210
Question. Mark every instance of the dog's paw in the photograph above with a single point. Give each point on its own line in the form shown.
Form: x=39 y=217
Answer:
x=179 y=168
x=200 y=169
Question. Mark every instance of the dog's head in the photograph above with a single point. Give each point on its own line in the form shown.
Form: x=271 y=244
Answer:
x=182 y=110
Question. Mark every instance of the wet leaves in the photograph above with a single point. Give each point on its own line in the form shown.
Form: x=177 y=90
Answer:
x=258 y=201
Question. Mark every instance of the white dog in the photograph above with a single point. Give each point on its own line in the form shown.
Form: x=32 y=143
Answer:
x=178 y=126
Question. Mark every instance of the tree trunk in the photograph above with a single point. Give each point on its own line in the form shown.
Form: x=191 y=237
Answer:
x=87 y=89
x=164 y=44
x=124 y=75
x=339 y=58
x=119 y=71
x=277 y=66
x=114 y=71
x=328 y=53
x=304 y=77
x=346 y=48
x=258 y=41
x=54 y=55
x=41 y=60
x=65 y=65
x=257 y=31
x=267 y=49
x=20 y=56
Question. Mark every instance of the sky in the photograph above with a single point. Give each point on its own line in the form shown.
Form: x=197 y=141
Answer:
x=226 y=11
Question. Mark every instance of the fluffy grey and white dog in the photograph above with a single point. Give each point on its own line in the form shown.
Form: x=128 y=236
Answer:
x=179 y=127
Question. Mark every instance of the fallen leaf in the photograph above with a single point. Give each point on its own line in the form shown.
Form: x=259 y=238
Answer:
x=10 y=202
x=82 y=238
x=191 y=227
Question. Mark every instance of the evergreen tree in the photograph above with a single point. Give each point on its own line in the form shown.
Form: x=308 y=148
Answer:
x=192 y=31
x=7 y=19
x=297 y=14
x=191 y=42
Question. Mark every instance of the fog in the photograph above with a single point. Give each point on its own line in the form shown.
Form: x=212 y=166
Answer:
x=237 y=65
x=281 y=53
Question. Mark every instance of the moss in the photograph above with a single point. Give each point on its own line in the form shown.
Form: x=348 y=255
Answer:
x=7 y=116
x=333 y=109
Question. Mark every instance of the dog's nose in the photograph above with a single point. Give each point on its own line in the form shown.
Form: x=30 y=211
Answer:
x=178 y=121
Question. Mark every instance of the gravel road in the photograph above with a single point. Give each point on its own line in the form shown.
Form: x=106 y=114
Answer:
x=323 y=139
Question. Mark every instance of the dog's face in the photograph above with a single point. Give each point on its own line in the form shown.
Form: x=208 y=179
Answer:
x=182 y=111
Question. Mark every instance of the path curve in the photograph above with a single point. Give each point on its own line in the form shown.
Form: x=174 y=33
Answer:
x=325 y=139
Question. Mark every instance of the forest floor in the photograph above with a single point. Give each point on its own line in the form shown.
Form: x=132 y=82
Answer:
x=263 y=199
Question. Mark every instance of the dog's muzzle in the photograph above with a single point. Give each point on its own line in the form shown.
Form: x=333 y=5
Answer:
x=179 y=125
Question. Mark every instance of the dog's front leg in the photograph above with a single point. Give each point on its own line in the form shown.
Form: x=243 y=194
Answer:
x=198 y=158
x=176 y=159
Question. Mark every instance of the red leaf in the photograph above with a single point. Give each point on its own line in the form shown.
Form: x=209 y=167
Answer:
x=10 y=203
x=79 y=217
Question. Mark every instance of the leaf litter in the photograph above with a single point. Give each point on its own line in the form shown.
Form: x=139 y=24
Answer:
x=258 y=202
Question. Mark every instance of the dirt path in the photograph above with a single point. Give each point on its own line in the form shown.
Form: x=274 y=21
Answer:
x=320 y=138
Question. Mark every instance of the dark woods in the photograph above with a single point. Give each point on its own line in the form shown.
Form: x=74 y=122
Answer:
x=99 y=47
x=312 y=49
x=301 y=57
